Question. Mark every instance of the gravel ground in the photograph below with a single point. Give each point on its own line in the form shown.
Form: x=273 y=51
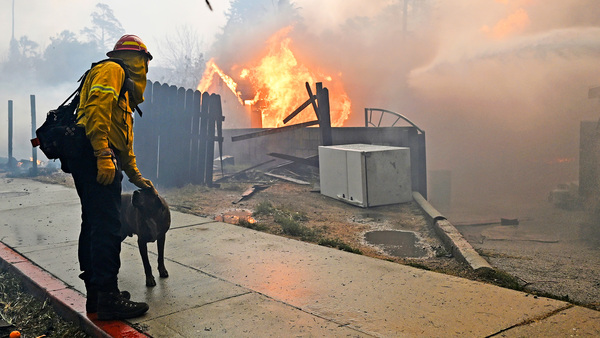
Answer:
x=552 y=250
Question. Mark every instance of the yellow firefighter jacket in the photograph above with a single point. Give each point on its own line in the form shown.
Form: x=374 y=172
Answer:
x=108 y=119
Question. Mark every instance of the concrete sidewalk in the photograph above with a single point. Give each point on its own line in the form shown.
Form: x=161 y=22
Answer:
x=230 y=281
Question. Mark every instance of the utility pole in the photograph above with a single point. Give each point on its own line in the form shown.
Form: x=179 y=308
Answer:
x=13 y=20
x=13 y=48
x=11 y=162
x=34 y=168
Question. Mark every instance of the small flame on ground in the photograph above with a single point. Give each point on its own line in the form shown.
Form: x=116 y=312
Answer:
x=37 y=161
x=234 y=217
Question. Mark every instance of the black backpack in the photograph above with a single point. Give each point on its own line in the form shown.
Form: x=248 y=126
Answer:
x=59 y=137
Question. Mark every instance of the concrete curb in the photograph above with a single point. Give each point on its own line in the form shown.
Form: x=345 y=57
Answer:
x=67 y=302
x=453 y=240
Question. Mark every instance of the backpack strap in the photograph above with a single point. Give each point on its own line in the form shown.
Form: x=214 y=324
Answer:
x=70 y=96
x=127 y=83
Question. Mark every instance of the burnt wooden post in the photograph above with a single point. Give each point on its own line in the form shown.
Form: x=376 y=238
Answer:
x=324 y=114
x=34 y=168
x=11 y=162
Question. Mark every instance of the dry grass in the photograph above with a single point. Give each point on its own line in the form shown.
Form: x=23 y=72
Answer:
x=30 y=316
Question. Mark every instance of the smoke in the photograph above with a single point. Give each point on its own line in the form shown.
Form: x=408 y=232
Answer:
x=504 y=94
x=499 y=86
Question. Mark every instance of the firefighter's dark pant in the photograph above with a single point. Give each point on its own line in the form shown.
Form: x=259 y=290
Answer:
x=100 y=239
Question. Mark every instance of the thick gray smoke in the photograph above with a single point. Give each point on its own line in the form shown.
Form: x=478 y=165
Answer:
x=499 y=86
x=504 y=94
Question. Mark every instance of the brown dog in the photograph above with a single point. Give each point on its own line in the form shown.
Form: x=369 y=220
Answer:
x=147 y=215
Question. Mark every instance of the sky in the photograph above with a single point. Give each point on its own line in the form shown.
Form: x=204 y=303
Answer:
x=151 y=20
x=499 y=86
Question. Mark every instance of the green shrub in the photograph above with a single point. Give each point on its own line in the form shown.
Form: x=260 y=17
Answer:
x=264 y=208
x=251 y=225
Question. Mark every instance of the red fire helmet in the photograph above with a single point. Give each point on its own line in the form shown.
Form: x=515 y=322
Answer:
x=130 y=42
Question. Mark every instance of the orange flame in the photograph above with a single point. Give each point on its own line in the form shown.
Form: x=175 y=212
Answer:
x=278 y=81
x=207 y=77
x=514 y=23
x=38 y=162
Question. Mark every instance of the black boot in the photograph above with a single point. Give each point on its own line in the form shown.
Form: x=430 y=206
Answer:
x=91 y=302
x=111 y=305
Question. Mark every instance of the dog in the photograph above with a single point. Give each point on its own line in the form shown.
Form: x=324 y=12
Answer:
x=146 y=215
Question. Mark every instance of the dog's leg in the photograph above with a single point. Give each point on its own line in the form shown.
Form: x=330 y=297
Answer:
x=147 y=268
x=162 y=271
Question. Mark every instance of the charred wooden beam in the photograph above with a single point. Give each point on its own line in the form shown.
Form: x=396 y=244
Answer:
x=250 y=191
x=301 y=108
x=312 y=161
x=314 y=103
x=273 y=131
x=285 y=178
x=243 y=171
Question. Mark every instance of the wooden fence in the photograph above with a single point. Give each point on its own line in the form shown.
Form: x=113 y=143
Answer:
x=174 y=139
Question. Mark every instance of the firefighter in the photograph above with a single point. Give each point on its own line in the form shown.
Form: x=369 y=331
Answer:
x=106 y=113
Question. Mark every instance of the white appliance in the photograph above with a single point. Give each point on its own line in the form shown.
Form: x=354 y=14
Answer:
x=365 y=175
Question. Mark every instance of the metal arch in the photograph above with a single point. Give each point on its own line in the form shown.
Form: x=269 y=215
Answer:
x=369 y=118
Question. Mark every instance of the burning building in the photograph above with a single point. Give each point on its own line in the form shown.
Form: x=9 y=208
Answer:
x=273 y=85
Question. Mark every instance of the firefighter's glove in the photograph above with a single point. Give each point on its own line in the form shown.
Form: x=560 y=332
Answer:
x=142 y=183
x=107 y=166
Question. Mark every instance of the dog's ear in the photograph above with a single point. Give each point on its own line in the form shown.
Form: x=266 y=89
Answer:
x=136 y=200
x=158 y=203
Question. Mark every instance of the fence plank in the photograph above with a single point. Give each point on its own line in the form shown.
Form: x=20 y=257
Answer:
x=189 y=113
x=210 y=138
x=146 y=137
x=195 y=139
x=180 y=139
x=201 y=170
x=168 y=144
x=174 y=143
x=162 y=130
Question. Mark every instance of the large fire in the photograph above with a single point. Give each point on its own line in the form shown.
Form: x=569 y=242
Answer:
x=516 y=22
x=278 y=84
